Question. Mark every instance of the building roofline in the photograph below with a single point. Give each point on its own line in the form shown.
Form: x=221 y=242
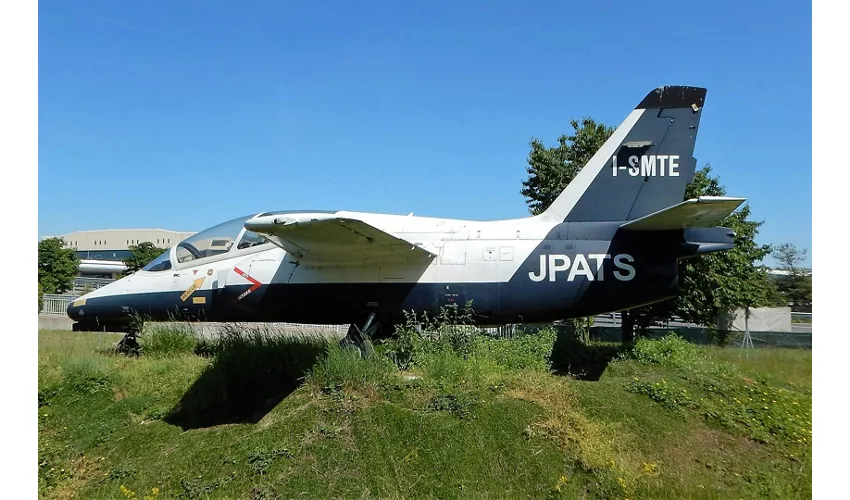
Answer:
x=128 y=229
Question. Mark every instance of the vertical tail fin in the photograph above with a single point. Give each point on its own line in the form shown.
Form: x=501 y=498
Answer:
x=643 y=167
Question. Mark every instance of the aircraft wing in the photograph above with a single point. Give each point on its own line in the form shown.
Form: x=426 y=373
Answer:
x=325 y=239
x=705 y=211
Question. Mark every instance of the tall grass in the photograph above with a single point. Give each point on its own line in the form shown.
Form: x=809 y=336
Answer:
x=343 y=366
x=169 y=339
x=252 y=369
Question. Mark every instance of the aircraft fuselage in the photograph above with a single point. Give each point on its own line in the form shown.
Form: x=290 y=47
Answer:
x=512 y=271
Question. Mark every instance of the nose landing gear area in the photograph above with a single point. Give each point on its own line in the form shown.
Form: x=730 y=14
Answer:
x=129 y=345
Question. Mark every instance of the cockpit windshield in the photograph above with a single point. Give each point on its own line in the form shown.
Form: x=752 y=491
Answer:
x=213 y=241
x=161 y=263
x=216 y=240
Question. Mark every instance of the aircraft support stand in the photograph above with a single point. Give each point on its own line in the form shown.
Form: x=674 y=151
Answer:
x=360 y=338
x=129 y=345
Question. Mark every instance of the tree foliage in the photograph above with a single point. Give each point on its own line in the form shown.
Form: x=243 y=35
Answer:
x=796 y=286
x=57 y=266
x=551 y=169
x=141 y=255
x=718 y=282
x=712 y=283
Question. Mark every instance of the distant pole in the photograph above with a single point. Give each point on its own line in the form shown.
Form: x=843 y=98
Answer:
x=748 y=340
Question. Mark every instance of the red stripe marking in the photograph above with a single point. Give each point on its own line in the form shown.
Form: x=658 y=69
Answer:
x=256 y=284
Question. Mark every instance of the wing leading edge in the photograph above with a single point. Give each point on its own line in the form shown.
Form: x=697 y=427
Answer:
x=324 y=239
x=705 y=211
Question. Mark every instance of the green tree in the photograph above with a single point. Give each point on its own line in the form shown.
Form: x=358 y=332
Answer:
x=796 y=286
x=724 y=281
x=710 y=283
x=57 y=266
x=718 y=282
x=141 y=255
x=551 y=169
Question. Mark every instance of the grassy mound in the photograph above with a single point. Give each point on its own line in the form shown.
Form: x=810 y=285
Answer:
x=459 y=415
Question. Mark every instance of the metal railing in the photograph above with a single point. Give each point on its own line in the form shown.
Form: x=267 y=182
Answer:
x=83 y=284
x=56 y=304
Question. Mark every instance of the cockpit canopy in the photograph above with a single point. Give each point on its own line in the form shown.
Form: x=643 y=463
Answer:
x=211 y=242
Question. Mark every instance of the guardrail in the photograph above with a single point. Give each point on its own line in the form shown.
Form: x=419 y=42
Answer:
x=56 y=304
x=84 y=284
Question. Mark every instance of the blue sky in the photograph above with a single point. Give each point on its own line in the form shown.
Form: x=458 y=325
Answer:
x=195 y=112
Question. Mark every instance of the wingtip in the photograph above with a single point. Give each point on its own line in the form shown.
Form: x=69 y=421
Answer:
x=674 y=96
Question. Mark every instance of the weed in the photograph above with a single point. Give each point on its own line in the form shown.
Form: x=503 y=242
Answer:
x=260 y=460
x=263 y=492
x=130 y=494
x=671 y=350
x=121 y=472
x=669 y=395
x=526 y=351
x=451 y=329
x=195 y=488
x=460 y=405
x=46 y=395
x=85 y=375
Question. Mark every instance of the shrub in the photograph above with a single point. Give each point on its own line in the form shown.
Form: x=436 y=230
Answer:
x=671 y=350
x=450 y=330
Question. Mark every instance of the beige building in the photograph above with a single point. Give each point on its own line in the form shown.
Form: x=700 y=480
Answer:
x=114 y=244
x=101 y=252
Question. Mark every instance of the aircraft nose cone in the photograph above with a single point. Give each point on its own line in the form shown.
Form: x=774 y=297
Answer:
x=75 y=309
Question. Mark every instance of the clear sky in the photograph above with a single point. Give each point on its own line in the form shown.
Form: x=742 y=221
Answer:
x=180 y=115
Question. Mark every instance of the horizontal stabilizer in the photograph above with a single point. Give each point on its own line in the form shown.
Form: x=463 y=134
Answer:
x=705 y=211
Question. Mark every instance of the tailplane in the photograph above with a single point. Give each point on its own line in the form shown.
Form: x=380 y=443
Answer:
x=705 y=211
x=643 y=167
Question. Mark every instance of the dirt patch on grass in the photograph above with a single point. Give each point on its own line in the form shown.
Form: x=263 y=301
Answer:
x=710 y=457
x=118 y=394
x=83 y=469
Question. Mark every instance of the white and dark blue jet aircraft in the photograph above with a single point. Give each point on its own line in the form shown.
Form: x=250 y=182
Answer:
x=611 y=241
